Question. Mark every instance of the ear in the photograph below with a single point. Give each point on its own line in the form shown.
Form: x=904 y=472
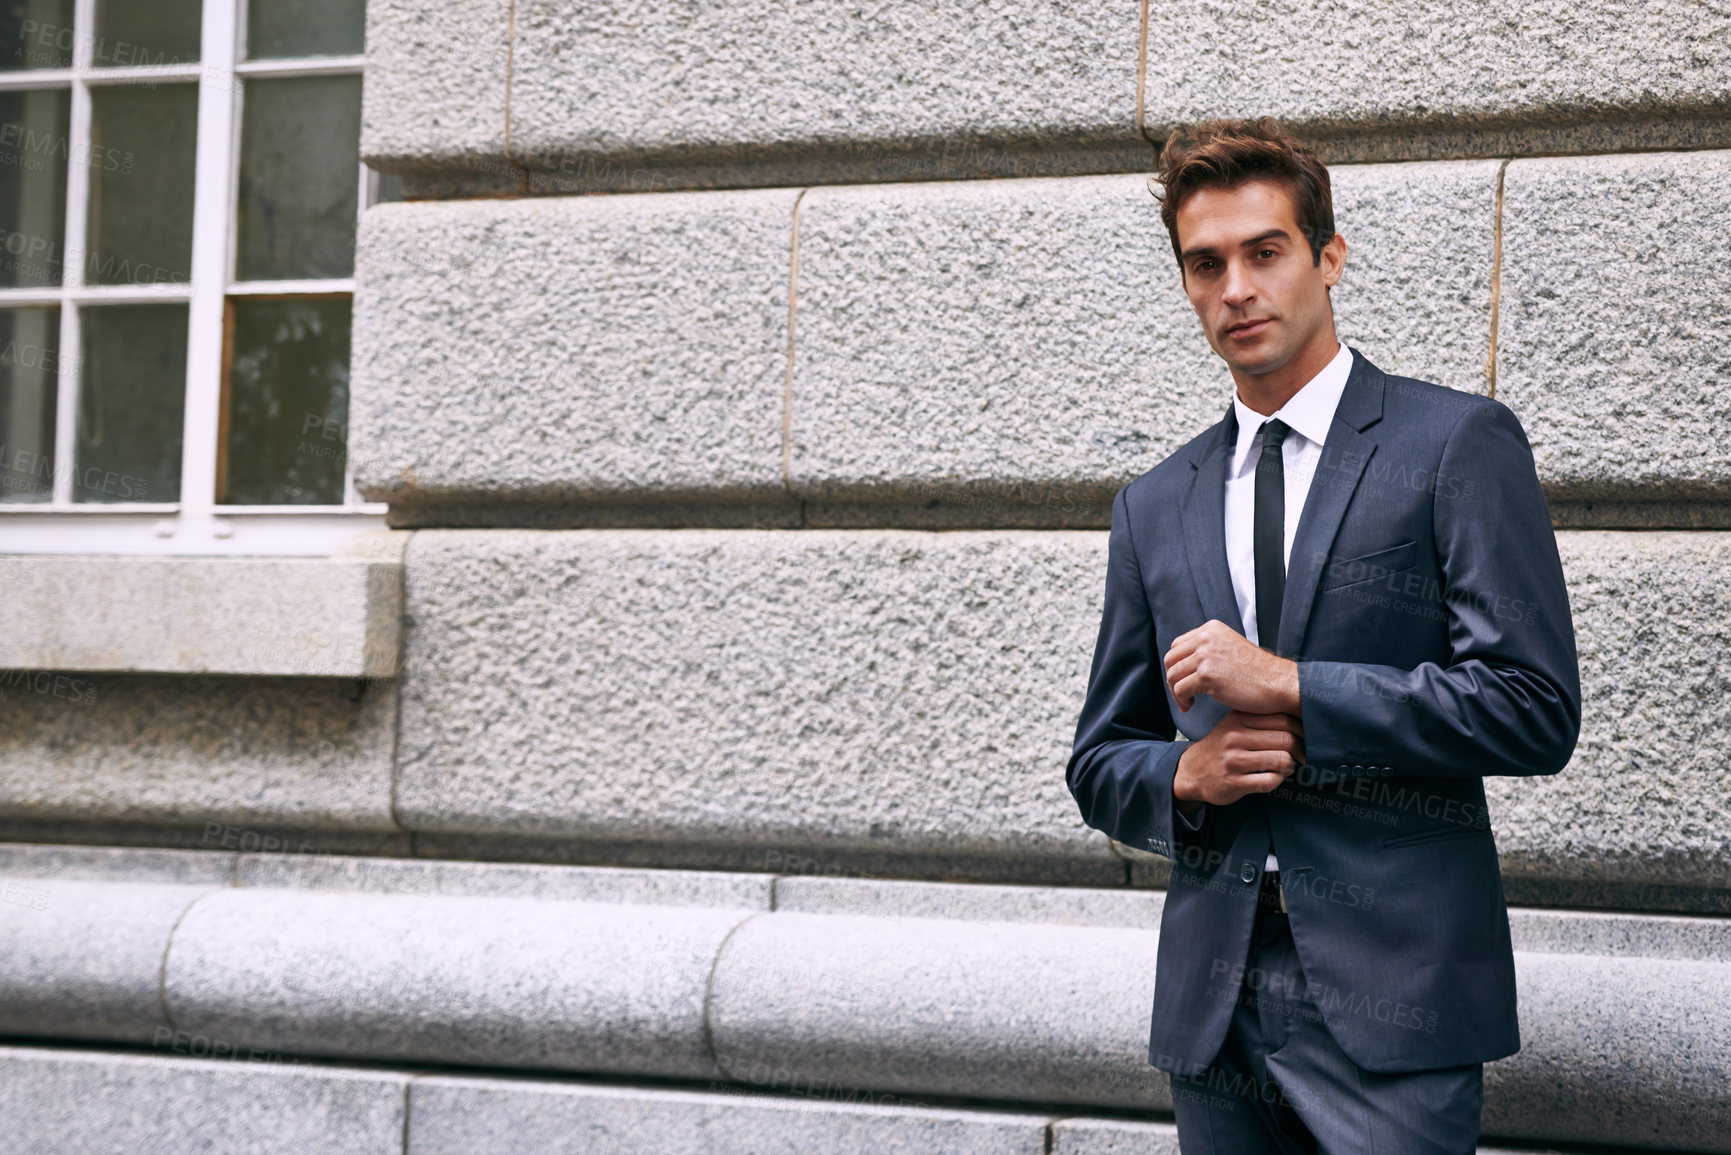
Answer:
x=1333 y=259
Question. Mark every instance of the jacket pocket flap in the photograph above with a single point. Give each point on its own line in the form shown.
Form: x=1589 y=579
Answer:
x=1346 y=571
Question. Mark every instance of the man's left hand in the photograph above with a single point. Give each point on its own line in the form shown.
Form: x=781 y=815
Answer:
x=1216 y=660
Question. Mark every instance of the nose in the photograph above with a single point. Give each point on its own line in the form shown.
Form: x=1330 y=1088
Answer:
x=1236 y=287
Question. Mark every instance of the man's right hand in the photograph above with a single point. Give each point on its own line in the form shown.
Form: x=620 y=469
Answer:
x=1243 y=754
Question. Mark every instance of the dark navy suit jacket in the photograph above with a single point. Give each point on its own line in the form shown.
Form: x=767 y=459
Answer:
x=1426 y=609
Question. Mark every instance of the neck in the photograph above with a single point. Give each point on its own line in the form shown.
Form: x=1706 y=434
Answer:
x=1267 y=392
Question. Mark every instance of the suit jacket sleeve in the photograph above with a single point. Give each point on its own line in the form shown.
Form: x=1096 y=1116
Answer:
x=1127 y=749
x=1508 y=701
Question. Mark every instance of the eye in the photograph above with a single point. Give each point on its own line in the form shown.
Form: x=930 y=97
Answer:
x=1261 y=251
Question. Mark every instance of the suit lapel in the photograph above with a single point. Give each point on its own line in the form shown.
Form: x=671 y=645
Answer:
x=1344 y=456
x=1205 y=525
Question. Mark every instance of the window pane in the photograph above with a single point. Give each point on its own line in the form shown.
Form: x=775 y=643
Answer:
x=276 y=28
x=29 y=361
x=142 y=145
x=134 y=32
x=286 y=429
x=33 y=143
x=35 y=34
x=131 y=403
x=300 y=147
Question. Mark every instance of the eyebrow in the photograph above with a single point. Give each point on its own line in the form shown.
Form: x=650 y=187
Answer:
x=1210 y=251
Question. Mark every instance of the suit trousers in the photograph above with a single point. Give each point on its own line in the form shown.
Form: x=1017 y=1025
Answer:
x=1281 y=1085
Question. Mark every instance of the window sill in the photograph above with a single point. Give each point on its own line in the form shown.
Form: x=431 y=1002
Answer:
x=333 y=617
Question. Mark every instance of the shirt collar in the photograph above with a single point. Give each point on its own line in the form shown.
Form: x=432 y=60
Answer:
x=1308 y=412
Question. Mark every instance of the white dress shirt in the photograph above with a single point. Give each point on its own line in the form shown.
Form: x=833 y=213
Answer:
x=1308 y=413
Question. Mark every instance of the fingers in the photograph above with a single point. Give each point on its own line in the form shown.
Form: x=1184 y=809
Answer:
x=1263 y=783
x=1241 y=720
x=1186 y=688
x=1242 y=760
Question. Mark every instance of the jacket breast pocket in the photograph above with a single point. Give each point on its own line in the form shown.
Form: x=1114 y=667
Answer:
x=1346 y=571
x=1437 y=835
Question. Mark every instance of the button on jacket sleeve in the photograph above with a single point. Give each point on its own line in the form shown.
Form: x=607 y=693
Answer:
x=1509 y=699
x=1127 y=749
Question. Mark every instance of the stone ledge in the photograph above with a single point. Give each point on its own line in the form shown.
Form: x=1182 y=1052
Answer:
x=111 y=1103
x=732 y=992
x=119 y=1103
x=337 y=617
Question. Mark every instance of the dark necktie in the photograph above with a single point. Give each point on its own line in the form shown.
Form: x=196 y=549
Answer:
x=1268 y=534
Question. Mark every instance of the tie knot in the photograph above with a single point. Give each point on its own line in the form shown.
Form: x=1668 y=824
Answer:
x=1273 y=431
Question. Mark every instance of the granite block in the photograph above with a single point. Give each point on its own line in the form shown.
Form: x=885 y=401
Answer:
x=307 y=617
x=1614 y=301
x=940 y=1007
x=556 y=352
x=503 y=982
x=615 y=96
x=83 y=960
x=455 y=1116
x=96 y=1103
x=435 y=93
x=1013 y=352
x=895 y=691
x=212 y=757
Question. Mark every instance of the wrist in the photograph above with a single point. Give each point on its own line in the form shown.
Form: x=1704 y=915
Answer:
x=1290 y=702
x=1181 y=794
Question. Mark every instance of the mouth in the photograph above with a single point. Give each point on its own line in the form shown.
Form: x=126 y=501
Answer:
x=1249 y=328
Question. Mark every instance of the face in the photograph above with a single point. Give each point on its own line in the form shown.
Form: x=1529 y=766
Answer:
x=1247 y=272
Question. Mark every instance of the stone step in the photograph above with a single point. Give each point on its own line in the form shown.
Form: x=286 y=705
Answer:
x=895 y=988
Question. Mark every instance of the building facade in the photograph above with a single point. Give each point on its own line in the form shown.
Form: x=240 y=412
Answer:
x=550 y=552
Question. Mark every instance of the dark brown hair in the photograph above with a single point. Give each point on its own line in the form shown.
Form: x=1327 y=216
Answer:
x=1224 y=153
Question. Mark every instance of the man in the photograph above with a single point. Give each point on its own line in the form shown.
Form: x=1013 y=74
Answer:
x=1326 y=619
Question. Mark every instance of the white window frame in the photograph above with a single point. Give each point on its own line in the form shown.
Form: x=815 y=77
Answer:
x=195 y=524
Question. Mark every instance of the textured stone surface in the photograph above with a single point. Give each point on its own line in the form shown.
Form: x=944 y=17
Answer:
x=1635 y=935
x=887 y=898
x=1435 y=64
x=83 y=960
x=1126 y=1137
x=505 y=1116
x=861 y=689
x=1615 y=301
x=1021 y=349
x=1617 y=1050
x=1113 y=1137
x=115 y=1104
x=553 y=351
x=116 y=864
x=435 y=91
x=209 y=615
x=1643 y=799
x=603 y=91
x=504 y=880
x=929 y=1006
x=507 y=982
x=240 y=753
x=895 y=690
x=805 y=1005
